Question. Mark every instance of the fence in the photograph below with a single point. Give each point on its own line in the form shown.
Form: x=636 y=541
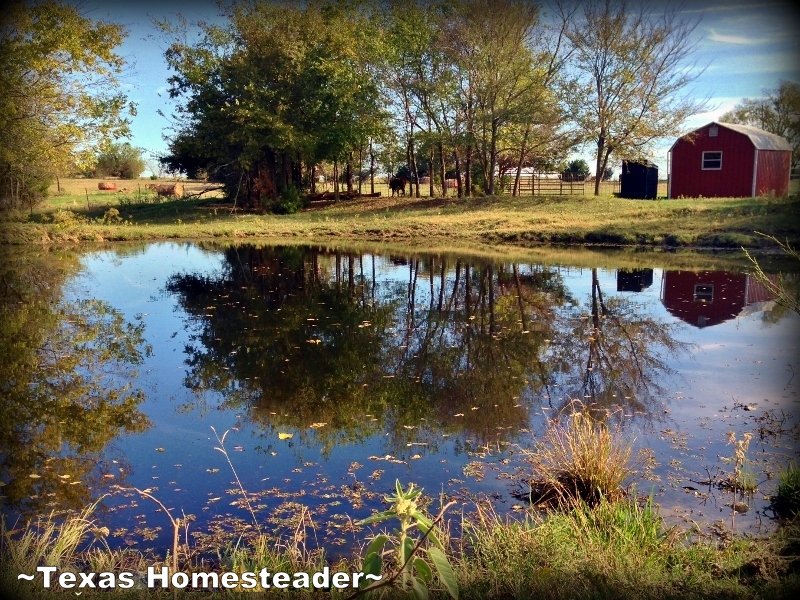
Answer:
x=554 y=186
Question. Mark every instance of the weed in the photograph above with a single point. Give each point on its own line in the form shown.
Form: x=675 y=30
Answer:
x=743 y=479
x=583 y=460
x=786 y=501
x=413 y=571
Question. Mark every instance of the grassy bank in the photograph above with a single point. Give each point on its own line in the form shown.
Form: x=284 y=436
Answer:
x=620 y=550
x=453 y=223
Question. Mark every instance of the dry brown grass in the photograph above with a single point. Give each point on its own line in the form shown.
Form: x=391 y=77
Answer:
x=581 y=459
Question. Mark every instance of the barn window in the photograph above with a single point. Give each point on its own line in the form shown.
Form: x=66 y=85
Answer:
x=713 y=131
x=704 y=292
x=712 y=161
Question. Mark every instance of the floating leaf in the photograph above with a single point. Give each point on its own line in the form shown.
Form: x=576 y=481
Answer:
x=160 y=450
x=285 y=436
x=317 y=425
x=34 y=476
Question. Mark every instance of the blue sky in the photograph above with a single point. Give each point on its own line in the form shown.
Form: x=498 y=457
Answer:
x=745 y=48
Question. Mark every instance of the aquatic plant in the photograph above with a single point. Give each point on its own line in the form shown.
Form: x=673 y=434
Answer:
x=581 y=459
x=786 y=501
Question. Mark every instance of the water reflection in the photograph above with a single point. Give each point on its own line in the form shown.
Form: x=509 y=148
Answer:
x=455 y=347
x=67 y=392
x=436 y=367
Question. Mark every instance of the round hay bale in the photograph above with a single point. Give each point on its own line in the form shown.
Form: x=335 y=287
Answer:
x=107 y=186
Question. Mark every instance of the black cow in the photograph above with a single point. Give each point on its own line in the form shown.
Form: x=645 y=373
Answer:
x=398 y=185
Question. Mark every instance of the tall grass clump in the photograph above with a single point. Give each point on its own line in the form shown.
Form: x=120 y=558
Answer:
x=786 y=501
x=581 y=459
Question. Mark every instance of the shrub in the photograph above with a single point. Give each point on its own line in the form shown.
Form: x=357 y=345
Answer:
x=111 y=216
x=584 y=460
x=66 y=217
x=288 y=203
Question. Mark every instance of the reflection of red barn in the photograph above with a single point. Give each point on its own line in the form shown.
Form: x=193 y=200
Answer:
x=708 y=298
x=728 y=160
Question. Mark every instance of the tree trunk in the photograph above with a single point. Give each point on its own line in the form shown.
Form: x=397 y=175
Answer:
x=520 y=162
x=431 y=191
x=371 y=168
x=335 y=180
x=601 y=142
x=442 y=170
x=458 y=174
x=468 y=172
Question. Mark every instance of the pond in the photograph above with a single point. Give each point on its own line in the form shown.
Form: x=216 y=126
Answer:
x=285 y=389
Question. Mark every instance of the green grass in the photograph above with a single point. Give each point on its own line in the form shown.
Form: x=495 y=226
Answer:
x=786 y=501
x=452 y=222
x=612 y=550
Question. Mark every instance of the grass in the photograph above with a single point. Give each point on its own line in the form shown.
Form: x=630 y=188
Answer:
x=486 y=221
x=786 y=501
x=580 y=459
x=612 y=550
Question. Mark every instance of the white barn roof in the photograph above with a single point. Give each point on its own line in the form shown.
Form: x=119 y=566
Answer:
x=761 y=139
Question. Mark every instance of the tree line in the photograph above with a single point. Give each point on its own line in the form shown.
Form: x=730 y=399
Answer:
x=468 y=90
x=277 y=93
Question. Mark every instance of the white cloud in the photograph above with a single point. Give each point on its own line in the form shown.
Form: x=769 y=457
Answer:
x=736 y=39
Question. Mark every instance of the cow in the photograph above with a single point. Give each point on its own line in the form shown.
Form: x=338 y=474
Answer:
x=398 y=185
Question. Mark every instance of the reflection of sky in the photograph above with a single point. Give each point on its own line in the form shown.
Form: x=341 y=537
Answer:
x=731 y=362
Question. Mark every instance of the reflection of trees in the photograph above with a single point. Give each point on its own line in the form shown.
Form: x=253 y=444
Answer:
x=315 y=338
x=615 y=355
x=455 y=347
x=63 y=398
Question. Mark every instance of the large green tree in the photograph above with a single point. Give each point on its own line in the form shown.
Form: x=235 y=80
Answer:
x=58 y=75
x=280 y=86
x=777 y=112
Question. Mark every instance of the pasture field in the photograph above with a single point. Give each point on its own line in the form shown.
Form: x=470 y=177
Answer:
x=451 y=222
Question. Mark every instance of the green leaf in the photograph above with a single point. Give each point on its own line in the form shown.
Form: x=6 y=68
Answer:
x=419 y=588
x=376 y=545
x=445 y=571
x=382 y=516
x=408 y=546
x=425 y=527
x=398 y=487
x=423 y=569
x=372 y=564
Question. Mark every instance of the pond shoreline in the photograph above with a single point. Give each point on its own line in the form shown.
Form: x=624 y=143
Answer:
x=520 y=222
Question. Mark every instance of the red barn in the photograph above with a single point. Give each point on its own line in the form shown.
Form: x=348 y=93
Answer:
x=725 y=160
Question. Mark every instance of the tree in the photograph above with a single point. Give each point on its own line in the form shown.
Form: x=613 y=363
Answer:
x=58 y=75
x=777 y=112
x=120 y=160
x=279 y=86
x=635 y=68
x=577 y=170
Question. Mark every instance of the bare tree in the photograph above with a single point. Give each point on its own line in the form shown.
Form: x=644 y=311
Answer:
x=636 y=66
x=777 y=112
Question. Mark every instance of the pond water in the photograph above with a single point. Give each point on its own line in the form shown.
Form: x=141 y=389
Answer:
x=313 y=378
